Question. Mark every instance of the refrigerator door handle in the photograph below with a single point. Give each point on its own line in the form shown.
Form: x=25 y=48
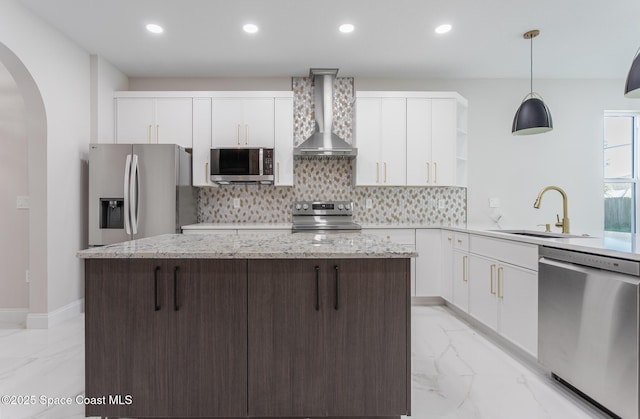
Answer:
x=127 y=176
x=135 y=193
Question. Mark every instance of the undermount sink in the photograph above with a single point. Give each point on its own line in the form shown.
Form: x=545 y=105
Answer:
x=542 y=234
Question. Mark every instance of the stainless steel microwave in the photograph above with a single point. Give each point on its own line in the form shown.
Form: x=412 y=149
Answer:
x=241 y=165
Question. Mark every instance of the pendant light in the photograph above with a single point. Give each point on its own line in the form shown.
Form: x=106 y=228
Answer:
x=533 y=116
x=632 y=88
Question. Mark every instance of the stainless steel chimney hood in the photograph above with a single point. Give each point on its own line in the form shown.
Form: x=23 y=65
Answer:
x=324 y=143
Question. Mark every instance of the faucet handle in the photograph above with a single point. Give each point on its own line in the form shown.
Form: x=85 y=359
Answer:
x=559 y=223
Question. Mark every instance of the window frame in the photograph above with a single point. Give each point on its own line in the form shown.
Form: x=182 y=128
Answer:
x=634 y=179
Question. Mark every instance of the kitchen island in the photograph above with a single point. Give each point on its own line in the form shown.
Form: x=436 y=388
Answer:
x=281 y=325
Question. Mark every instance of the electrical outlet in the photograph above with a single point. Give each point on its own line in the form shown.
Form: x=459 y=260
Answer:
x=236 y=202
x=22 y=202
x=494 y=202
x=368 y=203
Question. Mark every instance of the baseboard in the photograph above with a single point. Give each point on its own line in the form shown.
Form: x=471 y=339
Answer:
x=427 y=301
x=13 y=317
x=47 y=320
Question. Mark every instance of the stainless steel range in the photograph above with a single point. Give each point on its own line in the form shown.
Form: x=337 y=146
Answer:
x=325 y=216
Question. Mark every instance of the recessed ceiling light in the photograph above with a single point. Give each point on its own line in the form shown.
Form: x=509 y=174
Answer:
x=443 y=28
x=346 y=28
x=153 y=28
x=250 y=28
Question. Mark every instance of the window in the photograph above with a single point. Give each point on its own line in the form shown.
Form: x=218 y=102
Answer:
x=621 y=172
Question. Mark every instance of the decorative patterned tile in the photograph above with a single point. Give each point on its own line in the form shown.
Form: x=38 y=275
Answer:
x=331 y=180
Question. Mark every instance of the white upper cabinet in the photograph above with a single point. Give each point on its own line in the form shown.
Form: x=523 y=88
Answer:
x=431 y=142
x=243 y=122
x=166 y=120
x=430 y=130
x=201 y=142
x=283 y=168
x=380 y=135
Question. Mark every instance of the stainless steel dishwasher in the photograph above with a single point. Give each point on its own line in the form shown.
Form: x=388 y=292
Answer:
x=588 y=326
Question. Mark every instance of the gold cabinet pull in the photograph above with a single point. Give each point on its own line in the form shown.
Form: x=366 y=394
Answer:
x=435 y=172
x=428 y=170
x=492 y=269
x=500 y=275
x=449 y=238
x=278 y=171
x=464 y=268
x=459 y=241
x=377 y=172
x=246 y=134
x=238 y=135
x=385 y=172
x=157 y=134
x=206 y=172
x=149 y=135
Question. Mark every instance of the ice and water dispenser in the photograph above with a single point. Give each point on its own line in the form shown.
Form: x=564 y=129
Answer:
x=111 y=212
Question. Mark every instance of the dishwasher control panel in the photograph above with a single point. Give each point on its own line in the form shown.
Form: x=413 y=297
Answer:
x=629 y=267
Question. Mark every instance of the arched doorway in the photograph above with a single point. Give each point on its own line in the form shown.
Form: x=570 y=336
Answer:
x=35 y=130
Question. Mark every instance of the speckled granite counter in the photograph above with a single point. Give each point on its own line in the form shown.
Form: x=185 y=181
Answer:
x=264 y=246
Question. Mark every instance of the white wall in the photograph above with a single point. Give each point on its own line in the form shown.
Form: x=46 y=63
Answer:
x=209 y=83
x=105 y=79
x=60 y=70
x=14 y=181
x=515 y=168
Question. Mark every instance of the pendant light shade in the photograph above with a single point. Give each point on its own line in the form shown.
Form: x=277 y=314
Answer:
x=632 y=88
x=533 y=116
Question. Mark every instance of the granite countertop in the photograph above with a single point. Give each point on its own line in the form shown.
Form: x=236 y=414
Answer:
x=265 y=246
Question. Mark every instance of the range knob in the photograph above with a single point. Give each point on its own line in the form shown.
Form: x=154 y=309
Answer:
x=305 y=207
x=298 y=206
x=340 y=207
x=347 y=207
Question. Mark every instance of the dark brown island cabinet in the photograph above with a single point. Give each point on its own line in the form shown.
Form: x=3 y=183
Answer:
x=248 y=338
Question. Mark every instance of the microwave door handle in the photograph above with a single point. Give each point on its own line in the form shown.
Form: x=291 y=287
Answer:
x=135 y=194
x=127 y=179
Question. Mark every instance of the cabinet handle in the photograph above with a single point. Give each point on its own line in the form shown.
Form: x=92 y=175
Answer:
x=377 y=172
x=459 y=241
x=500 y=275
x=428 y=170
x=149 y=135
x=175 y=289
x=317 y=268
x=278 y=171
x=385 y=172
x=155 y=288
x=464 y=268
x=206 y=173
x=238 y=136
x=157 y=134
x=491 y=271
x=449 y=238
x=435 y=172
x=336 y=307
x=246 y=134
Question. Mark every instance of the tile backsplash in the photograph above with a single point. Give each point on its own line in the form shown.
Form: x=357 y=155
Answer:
x=331 y=180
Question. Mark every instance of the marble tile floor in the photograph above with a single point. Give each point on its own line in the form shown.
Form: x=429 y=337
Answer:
x=457 y=373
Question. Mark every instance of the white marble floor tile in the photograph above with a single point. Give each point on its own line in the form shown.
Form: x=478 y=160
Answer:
x=457 y=374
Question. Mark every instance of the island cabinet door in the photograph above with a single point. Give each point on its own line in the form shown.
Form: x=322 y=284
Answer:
x=208 y=346
x=367 y=338
x=286 y=306
x=126 y=338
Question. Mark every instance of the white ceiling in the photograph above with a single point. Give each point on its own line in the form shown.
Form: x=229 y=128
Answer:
x=393 y=38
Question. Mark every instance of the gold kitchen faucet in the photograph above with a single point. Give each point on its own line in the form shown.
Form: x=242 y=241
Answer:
x=565 y=214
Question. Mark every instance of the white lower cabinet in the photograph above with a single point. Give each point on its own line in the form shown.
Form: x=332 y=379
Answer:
x=502 y=295
x=460 y=278
x=446 y=266
x=428 y=265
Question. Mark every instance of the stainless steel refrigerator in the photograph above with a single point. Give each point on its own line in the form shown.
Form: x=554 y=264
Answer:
x=138 y=190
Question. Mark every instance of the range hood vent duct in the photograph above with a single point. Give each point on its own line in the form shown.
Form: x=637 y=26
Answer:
x=324 y=144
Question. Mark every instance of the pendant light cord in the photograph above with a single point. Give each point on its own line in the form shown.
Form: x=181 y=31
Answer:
x=531 y=62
